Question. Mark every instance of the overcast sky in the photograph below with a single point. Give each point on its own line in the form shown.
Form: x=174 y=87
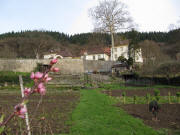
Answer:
x=71 y=16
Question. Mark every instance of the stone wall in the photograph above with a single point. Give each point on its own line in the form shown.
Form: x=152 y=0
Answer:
x=102 y=66
x=19 y=65
x=67 y=66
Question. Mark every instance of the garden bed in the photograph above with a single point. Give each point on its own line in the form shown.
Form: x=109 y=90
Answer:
x=141 y=92
x=51 y=117
x=168 y=115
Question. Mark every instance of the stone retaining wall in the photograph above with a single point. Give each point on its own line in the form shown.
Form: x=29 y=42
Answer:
x=67 y=66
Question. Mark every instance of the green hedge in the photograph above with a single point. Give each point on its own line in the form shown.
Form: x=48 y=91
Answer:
x=13 y=77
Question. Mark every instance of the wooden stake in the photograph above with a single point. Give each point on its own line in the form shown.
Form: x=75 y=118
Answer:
x=26 y=114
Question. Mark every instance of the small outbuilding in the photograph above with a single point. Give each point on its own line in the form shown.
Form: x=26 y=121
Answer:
x=118 y=68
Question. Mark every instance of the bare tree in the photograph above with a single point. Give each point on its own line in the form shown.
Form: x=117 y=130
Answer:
x=38 y=43
x=153 y=56
x=110 y=16
x=174 y=26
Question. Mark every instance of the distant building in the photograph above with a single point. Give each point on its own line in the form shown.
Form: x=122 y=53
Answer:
x=118 y=68
x=96 y=54
x=123 y=50
x=59 y=54
x=138 y=56
x=52 y=56
x=105 y=53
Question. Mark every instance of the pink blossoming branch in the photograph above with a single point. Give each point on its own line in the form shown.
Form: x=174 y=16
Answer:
x=40 y=79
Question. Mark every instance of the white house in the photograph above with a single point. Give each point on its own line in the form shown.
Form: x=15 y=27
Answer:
x=95 y=57
x=97 y=54
x=138 y=56
x=123 y=50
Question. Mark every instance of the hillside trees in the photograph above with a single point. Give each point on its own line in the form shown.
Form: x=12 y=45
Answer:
x=7 y=51
x=168 y=69
x=31 y=45
x=110 y=16
x=39 y=43
x=152 y=55
x=19 y=44
x=152 y=52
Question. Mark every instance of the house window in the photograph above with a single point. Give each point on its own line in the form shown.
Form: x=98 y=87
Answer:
x=94 y=57
x=121 y=48
x=115 y=49
x=115 y=56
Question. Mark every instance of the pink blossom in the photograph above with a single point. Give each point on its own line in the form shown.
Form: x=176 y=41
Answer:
x=27 y=91
x=32 y=75
x=41 y=89
x=55 y=69
x=54 y=61
x=41 y=85
x=20 y=110
x=47 y=78
x=38 y=75
x=46 y=75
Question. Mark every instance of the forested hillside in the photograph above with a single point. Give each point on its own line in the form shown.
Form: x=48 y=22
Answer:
x=33 y=44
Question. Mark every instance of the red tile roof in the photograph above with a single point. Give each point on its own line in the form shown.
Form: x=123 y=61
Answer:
x=105 y=50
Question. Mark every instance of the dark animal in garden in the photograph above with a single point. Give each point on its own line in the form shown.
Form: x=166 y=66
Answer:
x=154 y=108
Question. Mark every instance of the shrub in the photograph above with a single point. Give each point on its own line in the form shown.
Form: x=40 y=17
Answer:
x=148 y=96
x=13 y=77
x=135 y=98
x=124 y=94
x=122 y=59
x=178 y=96
x=169 y=69
x=157 y=94
x=169 y=97
x=76 y=88
x=130 y=61
x=124 y=97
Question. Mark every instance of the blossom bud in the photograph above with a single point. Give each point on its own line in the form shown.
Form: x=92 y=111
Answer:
x=27 y=91
x=20 y=110
x=38 y=75
x=47 y=78
x=41 y=89
x=54 y=61
x=32 y=75
x=55 y=69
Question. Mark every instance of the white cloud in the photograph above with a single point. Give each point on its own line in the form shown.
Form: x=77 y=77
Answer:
x=83 y=22
x=150 y=15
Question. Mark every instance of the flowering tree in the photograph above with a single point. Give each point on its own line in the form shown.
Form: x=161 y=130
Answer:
x=40 y=79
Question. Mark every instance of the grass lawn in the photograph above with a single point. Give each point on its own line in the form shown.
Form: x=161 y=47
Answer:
x=95 y=115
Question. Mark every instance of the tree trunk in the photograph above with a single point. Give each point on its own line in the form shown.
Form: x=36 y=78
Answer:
x=37 y=56
x=112 y=43
x=134 y=55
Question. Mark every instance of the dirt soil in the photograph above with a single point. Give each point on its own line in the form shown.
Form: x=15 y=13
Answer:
x=168 y=116
x=50 y=118
x=141 y=92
